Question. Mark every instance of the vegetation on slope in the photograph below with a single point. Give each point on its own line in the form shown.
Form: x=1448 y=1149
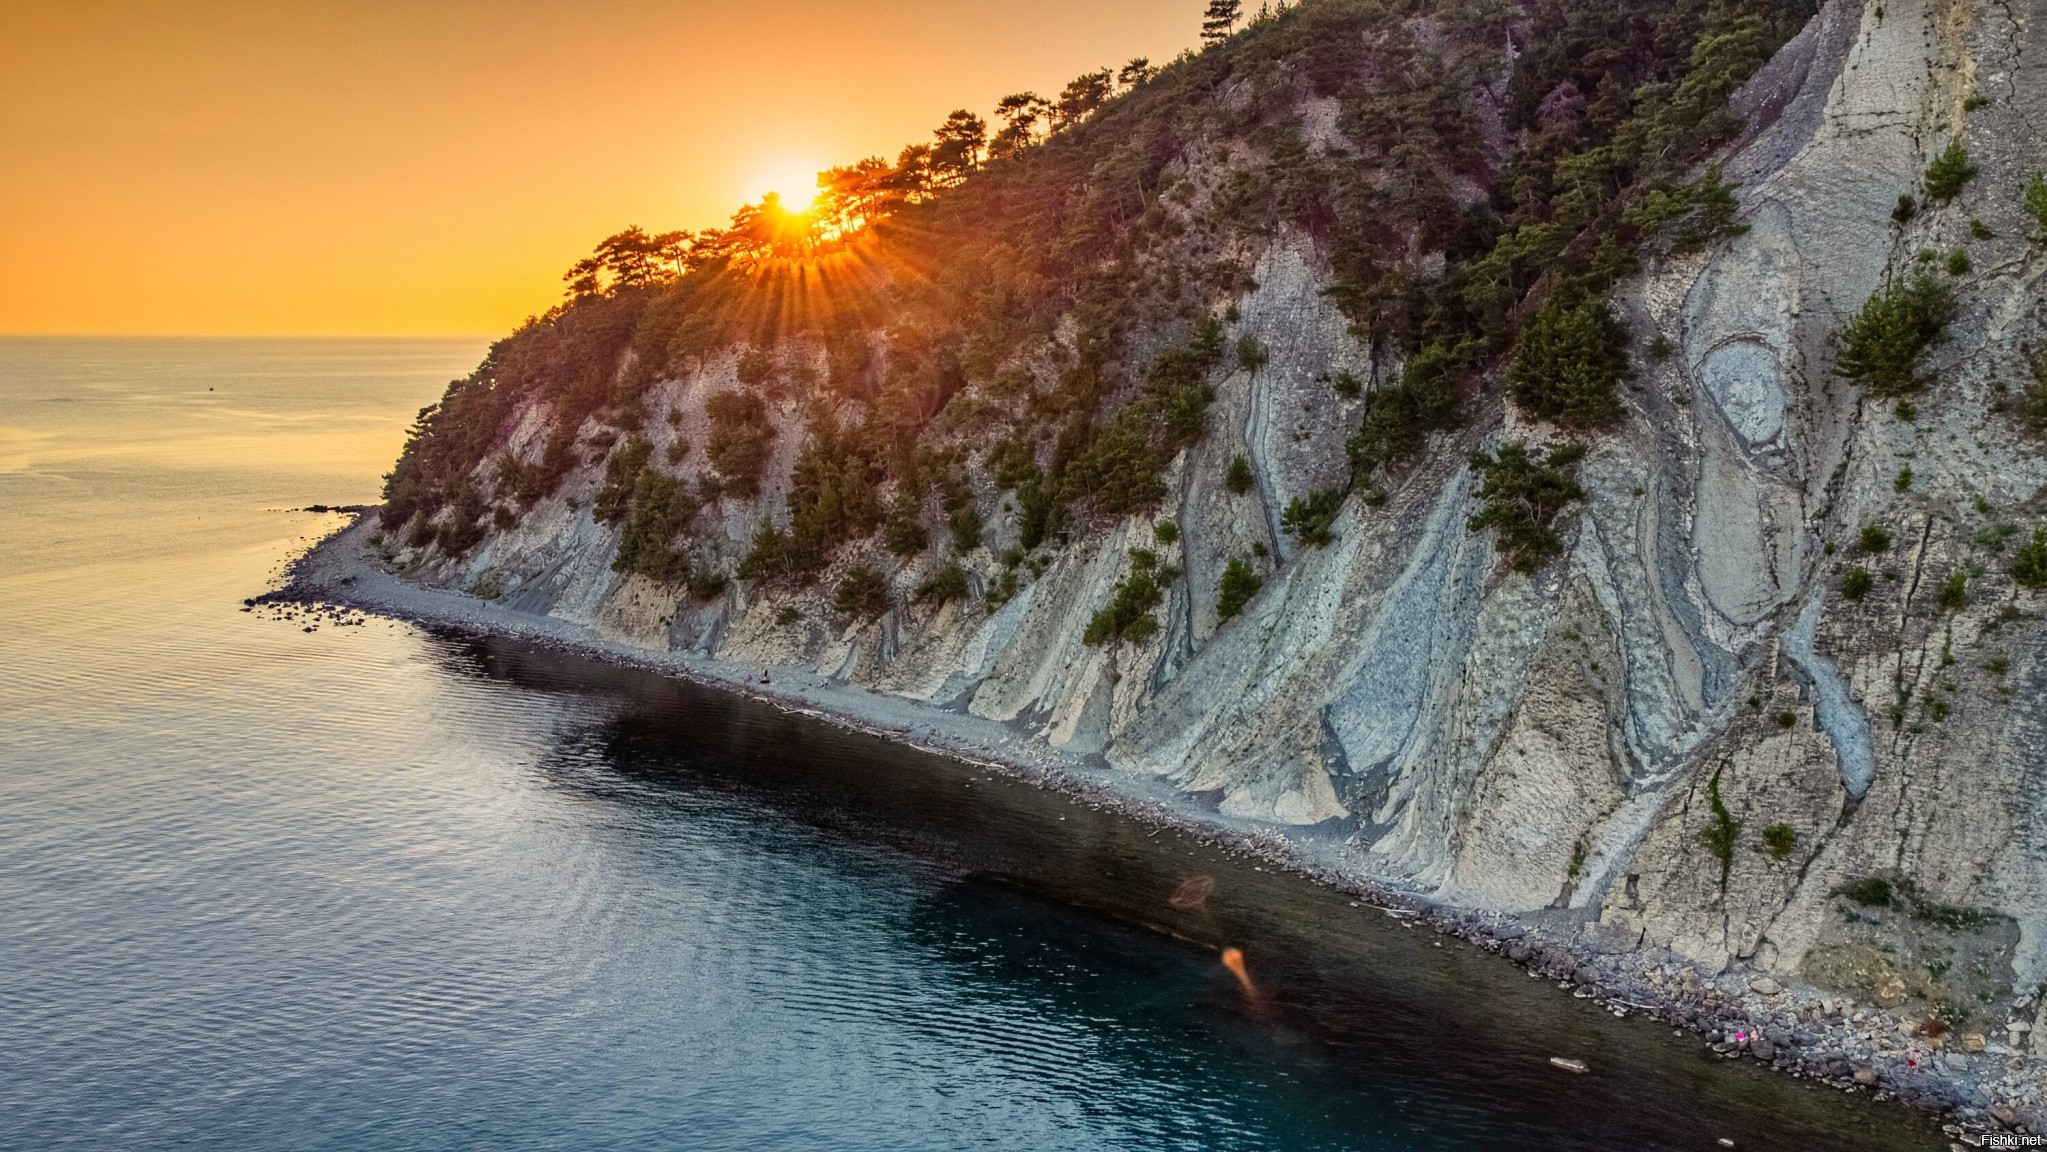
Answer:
x=1070 y=273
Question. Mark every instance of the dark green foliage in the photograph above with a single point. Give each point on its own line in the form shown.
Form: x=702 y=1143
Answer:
x=903 y=533
x=1723 y=833
x=1660 y=348
x=1690 y=216
x=1251 y=355
x=708 y=585
x=2029 y=564
x=621 y=475
x=1166 y=532
x=740 y=436
x=1881 y=346
x=862 y=593
x=1128 y=615
x=1119 y=471
x=1780 y=840
x=463 y=528
x=1523 y=499
x=1400 y=417
x=1240 y=582
x=1309 y=518
x=946 y=584
x=1948 y=172
x=965 y=524
x=1903 y=483
x=1869 y=891
x=1569 y=364
x=1787 y=720
x=1238 y=479
x=1874 y=539
x=1219 y=20
x=1346 y=385
x=2036 y=205
x=1178 y=385
x=1958 y=263
x=661 y=509
x=1857 y=583
x=1954 y=592
x=833 y=494
x=1906 y=411
x=1907 y=208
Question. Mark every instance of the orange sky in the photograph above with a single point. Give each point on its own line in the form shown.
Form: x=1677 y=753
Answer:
x=432 y=166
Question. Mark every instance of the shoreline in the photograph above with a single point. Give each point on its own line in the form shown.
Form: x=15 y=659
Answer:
x=1855 y=1048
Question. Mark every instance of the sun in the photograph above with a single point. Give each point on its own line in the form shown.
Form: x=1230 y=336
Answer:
x=791 y=179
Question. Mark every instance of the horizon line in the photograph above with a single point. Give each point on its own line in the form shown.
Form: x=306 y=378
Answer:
x=52 y=334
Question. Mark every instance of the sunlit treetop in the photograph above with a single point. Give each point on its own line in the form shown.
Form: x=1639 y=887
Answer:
x=852 y=198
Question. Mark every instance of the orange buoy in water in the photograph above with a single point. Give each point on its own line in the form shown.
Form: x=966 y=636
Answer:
x=1233 y=959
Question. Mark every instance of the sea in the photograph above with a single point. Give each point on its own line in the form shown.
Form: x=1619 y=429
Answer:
x=283 y=882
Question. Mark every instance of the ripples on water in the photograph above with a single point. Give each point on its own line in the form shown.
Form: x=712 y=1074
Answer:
x=369 y=888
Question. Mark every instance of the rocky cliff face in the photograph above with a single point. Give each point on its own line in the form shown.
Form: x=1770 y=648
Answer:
x=1680 y=734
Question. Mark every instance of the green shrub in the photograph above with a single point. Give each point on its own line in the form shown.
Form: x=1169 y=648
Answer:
x=1690 y=216
x=1906 y=209
x=1399 y=417
x=1949 y=171
x=1251 y=356
x=662 y=508
x=1661 y=347
x=1238 y=479
x=1523 y=498
x=1723 y=833
x=1954 y=592
x=1240 y=582
x=1177 y=384
x=1309 y=519
x=862 y=593
x=1857 y=584
x=1958 y=263
x=903 y=533
x=740 y=436
x=1166 y=532
x=2029 y=564
x=1881 y=346
x=1346 y=385
x=1903 y=483
x=2036 y=205
x=965 y=524
x=1869 y=891
x=1787 y=720
x=708 y=585
x=1128 y=614
x=947 y=584
x=1780 y=840
x=463 y=529
x=1569 y=364
x=1874 y=539
x=621 y=474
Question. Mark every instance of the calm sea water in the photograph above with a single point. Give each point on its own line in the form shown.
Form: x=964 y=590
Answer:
x=367 y=887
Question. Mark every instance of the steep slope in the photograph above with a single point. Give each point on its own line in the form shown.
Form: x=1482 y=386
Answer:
x=1773 y=695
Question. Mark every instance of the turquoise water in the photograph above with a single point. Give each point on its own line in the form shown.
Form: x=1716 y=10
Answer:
x=369 y=887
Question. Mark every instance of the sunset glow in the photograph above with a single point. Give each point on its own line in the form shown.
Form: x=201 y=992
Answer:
x=228 y=166
x=794 y=182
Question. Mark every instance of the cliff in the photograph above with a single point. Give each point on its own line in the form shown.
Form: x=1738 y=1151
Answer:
x=1772 y=699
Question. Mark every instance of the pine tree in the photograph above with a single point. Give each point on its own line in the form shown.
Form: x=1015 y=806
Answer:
x=1220 y=20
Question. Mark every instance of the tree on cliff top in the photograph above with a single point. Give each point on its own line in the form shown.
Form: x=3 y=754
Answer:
x=1220 y=20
